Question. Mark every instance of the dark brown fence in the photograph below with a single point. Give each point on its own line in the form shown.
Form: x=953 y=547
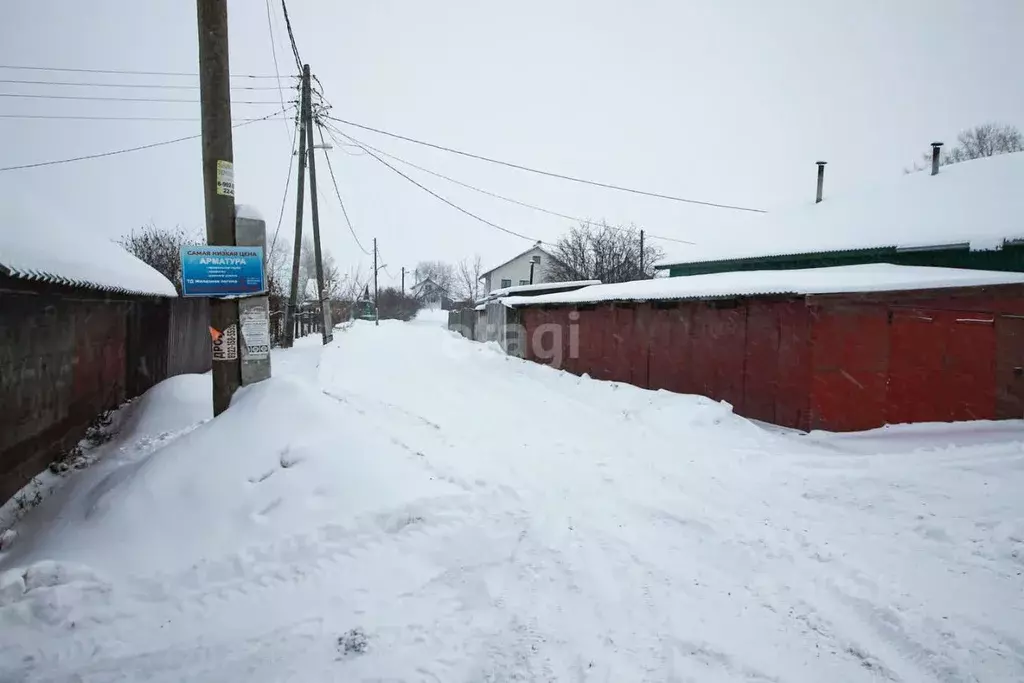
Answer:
x=67 y=355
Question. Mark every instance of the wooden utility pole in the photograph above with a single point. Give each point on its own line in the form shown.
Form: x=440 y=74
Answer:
x=643 y=275
x=325 y=316
x=300 y=198
x=403 y=282
x=218 y=183
x=376 y=311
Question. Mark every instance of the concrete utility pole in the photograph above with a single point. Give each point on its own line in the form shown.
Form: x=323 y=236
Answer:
x=218 y=182
x=642 y=273
x=376 y=311
x=300 y=197
x=325 y=305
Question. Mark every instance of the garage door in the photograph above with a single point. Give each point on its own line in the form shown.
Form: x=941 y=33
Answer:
x=942 y=366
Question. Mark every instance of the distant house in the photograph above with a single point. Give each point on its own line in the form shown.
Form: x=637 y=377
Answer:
x=84 y=326
x=431 y=295
x=969 y=215
x=516 y=271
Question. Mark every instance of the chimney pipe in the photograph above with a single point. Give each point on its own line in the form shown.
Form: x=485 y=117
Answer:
x=935 y=157
x=821 y=181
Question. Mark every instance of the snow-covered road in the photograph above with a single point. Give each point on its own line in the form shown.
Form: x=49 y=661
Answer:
x=405 y=505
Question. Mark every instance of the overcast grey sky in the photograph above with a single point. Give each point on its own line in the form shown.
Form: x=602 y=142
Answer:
x=725 y=101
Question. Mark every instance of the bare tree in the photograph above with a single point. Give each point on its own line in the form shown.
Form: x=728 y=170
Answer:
x=440 y=273
x=307 y=268
x=986 y=140
x=468 y=277
x=160 y=248
x=598 y=251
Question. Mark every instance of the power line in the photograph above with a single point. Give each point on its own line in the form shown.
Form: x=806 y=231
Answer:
x=102 y=98
x=550 y=174
x=127 y=149
x=273 y=52
x=75 y=117
x=23 y=67
x=446 y=201
x=337 y=192
x=287 y=182
x=493 y=194
x=164 y=86
x=291 y=36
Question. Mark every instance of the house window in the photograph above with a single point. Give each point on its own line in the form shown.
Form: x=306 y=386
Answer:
x=524 y=282
x=506 y=283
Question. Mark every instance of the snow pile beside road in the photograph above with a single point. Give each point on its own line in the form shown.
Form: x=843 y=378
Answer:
x=282 y=460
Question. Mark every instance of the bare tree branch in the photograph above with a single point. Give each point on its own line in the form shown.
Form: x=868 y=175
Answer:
x=598 y=251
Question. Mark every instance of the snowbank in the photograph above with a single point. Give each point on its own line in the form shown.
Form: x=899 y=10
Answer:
x=977 y=202
x=282 y=460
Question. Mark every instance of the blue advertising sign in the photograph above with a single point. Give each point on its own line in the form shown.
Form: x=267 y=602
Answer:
x=221 y=271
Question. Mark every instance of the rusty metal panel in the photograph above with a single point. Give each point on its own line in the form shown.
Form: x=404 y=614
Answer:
x=917 y=348
x=617 y=352
x=969 y=389
x=1009 y=333
x=761 y=363
x=849 y=367
x=662 y=357
x=943 y=366
x=603 y=340
x=793 y=396
x=717 y=352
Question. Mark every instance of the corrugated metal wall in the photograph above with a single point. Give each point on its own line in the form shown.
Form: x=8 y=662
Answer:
x=68 y=355
x=749 y=353
x=836 y=363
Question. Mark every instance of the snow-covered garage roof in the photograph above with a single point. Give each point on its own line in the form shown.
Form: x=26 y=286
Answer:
x=541 y=287
x=978 y=203
x=875 y=277
x=34 y=248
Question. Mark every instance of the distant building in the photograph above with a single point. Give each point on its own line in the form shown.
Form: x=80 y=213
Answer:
x=431 y=295
x=516 y=271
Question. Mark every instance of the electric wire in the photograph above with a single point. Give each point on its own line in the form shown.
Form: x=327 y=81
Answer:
x=93 y=84
x=273 y=53
x=126 y=150
x=291 y=36
x=287 y=184
x=447 y=201
x=104 y=98
x=494 y=194
x=127 y=72
x=76 y=117
x=337 y=192
x=550 y=174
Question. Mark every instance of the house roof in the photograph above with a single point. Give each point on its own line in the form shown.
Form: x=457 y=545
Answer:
x=875 y=277
x=975 y=203
x=46 y=248
x=541 y=287
x=504 y=263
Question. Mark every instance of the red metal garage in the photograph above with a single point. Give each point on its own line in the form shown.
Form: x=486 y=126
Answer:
x=842 y=349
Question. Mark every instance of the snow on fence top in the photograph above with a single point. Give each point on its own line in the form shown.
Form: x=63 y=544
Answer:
x=35 y=249
x=875 y=277
x=541 y=287
x=976 y=202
